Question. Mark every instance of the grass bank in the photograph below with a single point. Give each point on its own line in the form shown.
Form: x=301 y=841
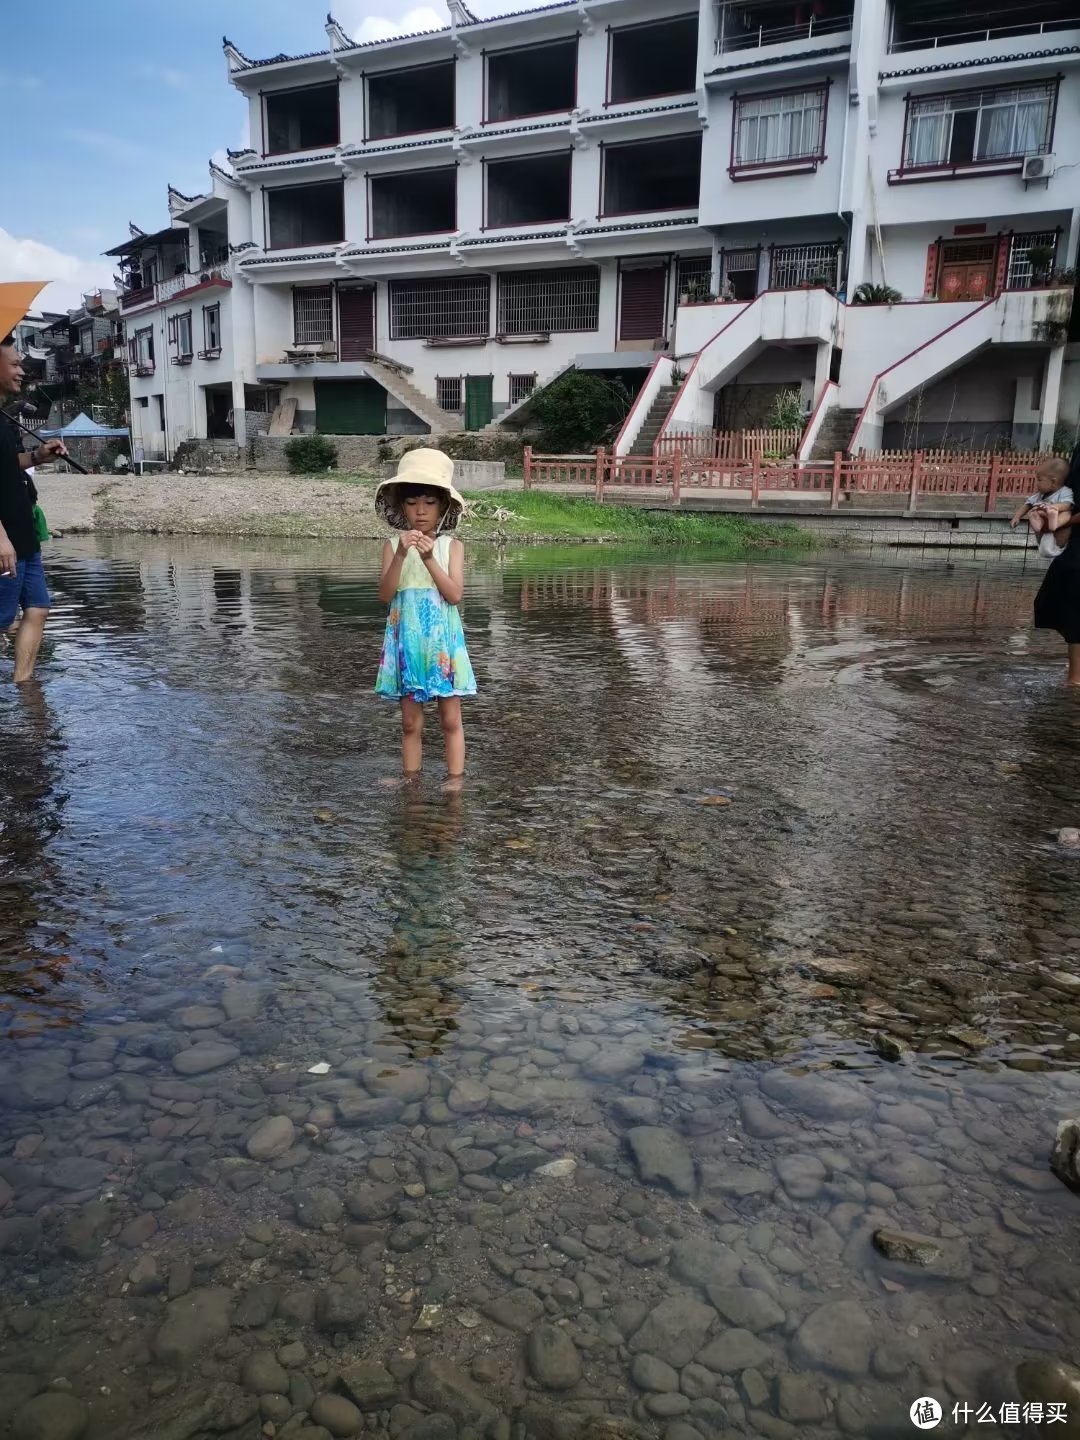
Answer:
x=532 y=515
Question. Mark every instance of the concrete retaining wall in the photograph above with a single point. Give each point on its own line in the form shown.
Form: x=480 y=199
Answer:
x=377 y=456
x=949 y=532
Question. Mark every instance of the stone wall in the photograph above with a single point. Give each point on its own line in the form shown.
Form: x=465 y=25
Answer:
x=377 y=456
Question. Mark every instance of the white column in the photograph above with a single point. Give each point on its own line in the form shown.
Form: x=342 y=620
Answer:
x=1051 y=396
x=822 y=367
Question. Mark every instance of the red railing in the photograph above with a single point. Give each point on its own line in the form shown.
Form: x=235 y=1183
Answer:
x=983 y=476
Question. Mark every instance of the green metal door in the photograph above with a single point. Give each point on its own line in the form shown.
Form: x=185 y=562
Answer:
x=350 y=407
x=478 y=406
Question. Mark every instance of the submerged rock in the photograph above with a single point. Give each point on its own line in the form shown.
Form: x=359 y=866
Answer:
x=945 y=1259
x=271 y=1138
x=674 y=1330
x=191 y=1323
x=662 y=1158
x=838 y=1336
x=1065 y=1156
x=553 y=1358
x=52 y=1416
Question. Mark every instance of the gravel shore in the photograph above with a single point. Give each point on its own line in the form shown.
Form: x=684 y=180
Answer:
x=292 y=506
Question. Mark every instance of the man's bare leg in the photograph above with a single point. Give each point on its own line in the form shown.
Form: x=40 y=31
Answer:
x=28 y=643
x=1073 y=676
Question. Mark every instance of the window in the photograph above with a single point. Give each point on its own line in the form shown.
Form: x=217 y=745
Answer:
x=650 y=175
x=785 y=128
x=534 y=80
x=211 y=317
x=180 y=335
x=693 y=275
x=976 y=127
x=302 y=119
x=313 y=314
x=452 y=309
x=544 y=302
x=739 y=273
x=521 y=387
x=298 y=215
x=1023 y=272
x=409 y=102
x=144 y=402
x=86 y=340
x=414 y=202
x=448 y=392
x=791 y=266
x=527 y=190
x=658 y=58
x=143 y=345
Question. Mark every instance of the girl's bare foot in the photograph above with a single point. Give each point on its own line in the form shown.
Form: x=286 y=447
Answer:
x=453 y=785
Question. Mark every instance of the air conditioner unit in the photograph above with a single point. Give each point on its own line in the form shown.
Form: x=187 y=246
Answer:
x=1039 y=167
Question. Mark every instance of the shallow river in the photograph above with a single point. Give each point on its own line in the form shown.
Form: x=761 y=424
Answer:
x=571 y=1105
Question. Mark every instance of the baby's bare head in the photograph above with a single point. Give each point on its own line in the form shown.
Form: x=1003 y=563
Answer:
x=1051 y=474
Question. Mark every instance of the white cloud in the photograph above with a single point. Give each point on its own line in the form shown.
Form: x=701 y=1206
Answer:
x=22 y=258
x=365 y=27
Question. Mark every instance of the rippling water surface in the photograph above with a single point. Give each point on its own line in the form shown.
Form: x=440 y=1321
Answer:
x=572 y=1105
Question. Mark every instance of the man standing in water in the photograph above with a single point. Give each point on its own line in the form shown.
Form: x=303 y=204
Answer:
x=22 y=577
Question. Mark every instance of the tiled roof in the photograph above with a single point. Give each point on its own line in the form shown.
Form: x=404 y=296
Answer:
x=359 y=151
x=291 y=259
x=982 y=60
x=637 y=225
x=395 y=249
x=783 y=56
x=675 y=108
x=309 y=158
x=239 y=154
x=515 y=235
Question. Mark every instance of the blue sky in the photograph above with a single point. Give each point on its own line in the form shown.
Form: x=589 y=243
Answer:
x=116 y=99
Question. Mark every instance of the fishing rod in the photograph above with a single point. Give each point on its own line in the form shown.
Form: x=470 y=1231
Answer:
x=41 y=441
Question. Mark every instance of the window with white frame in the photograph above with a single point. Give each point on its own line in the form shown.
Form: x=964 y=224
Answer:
x=545 y=302
x=86 y=340
x=313 y=314
x=1031 y=259
x=211 y=316
x=521 y=387
x=180 y=325
x=971 y=127
x=143 y=347
x=787 y=127
x=457 y=308
x=448 y=392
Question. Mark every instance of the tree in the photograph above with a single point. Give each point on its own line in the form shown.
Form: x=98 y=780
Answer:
x=579 y=411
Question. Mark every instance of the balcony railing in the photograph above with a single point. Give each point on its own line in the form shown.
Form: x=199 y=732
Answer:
x=163 y=290
x=733 y=33
x=982 y=35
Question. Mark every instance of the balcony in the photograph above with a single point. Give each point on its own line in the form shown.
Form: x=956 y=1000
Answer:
x=932 y=24
x=163 y=290
x=761 y=23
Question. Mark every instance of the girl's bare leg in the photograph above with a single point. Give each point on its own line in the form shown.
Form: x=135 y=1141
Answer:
x=412 y=736
x=1073 y=677
x=453 y=736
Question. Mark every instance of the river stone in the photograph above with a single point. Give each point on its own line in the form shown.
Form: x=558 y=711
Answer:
x=907 y=1168
x=317 y=1207
x=365 y=1113
x=613 y=1063
x=758 y=1120
x=439 y=1172
x=35 y=1084
x=339 y=1307
x=518 y=1310
x=1065 y=1155
x=662 y=1158
x=1053 y=1382
x=51 y=1416
x=734 y=1351
x=744 y=1308
x=407 y=1083
x=636 y=1110
x=370 y=1200
x=76 y=1172
x=802 y=1176
x=262 y=1375
x=192 y=1322
x=799 y=1400
x=648 y=1372
x=201 y=1017
x=369 y=1385
x=837 y=1336
x=705 y=1262
x=552 y=1358
x=522 y=1160
x=271 y=1138
x=442 y=1387
x=338 y=1415
x=243 y=1001
x=204 y=1056
x=674 y=1330
x=945 y=1259
x=816 y=1096
x=468 y=1097
x=256 y=1307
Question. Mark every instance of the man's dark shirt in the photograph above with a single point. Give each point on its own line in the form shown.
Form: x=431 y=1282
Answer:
x=17 y=494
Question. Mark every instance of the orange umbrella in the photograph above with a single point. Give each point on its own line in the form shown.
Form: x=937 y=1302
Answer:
x=16 y=297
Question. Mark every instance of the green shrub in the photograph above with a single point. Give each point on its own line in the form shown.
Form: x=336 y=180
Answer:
x=578 y=412
x=787 y=410
x=310 y=454
x=869 y=294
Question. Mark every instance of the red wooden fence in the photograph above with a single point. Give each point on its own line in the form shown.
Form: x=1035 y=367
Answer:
x=727 y=444
x=984 y=476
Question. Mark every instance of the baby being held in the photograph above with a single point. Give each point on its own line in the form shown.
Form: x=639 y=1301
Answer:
x=1047 y=512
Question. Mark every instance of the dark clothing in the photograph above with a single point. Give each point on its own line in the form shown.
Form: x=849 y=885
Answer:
x=1057 y=605
x=17 y=495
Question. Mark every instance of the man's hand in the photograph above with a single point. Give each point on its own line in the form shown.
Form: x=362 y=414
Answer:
x=8 y=558
x=50 y=450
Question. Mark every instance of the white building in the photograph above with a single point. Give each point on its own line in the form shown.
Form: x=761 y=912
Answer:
x=427 y=227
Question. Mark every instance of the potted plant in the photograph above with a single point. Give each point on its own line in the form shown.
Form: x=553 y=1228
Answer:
x=869 y=294
x=1041 y=260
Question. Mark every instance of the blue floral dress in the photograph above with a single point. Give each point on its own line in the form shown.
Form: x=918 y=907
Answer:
x=423 y=654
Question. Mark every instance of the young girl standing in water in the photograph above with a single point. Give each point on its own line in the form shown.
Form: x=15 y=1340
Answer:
x=423 y=568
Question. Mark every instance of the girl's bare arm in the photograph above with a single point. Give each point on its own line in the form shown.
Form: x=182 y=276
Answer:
x=392 y=561
x=450 y=582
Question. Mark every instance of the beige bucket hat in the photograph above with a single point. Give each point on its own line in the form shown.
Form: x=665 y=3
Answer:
x=429 y=469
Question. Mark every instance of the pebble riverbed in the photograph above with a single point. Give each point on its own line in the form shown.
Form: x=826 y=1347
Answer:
x=691 y=1075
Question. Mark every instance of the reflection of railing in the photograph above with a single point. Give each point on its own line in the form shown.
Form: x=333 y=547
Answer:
x=909 y=474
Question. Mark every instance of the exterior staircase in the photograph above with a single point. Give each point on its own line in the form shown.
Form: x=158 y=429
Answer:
x=654 y=420
x=440 y=421
x=835 y=434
